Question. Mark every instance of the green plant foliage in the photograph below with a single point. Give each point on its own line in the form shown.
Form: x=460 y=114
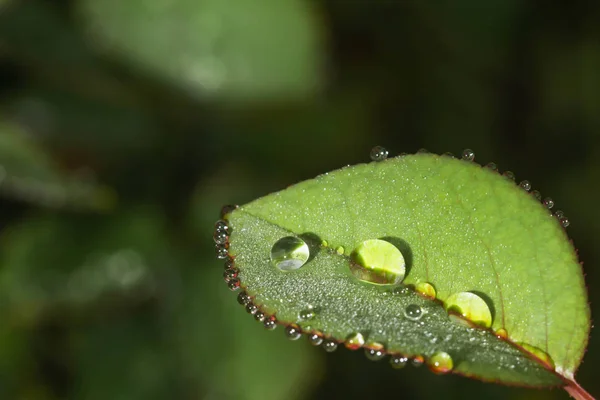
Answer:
x=462 y=228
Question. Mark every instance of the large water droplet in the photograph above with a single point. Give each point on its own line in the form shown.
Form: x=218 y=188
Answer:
x=374 y=351
x=329 y=345
x=379 y=153
x=509 y=175
x=398 y=361
x=340 y=250
x=526 y=185
x=289 y=253
x=243 y=298
x=426 y=289
x=259 y=316
x=233 y=284
x=270 y=323
x=468 y=155
x=469 y=306
x=564 y=221
x=417 y=361
x=251 y=308
x=502 y=333
x=440 y=362
x=230 y=273
x=315 y=339
x=377 y=261
x=221 y=251
x=307 y=314
x=354 y=341
x=538 y=353
x=413 y=312
x=220 y=237
x=548 y=202
x=221 y=225
x=292 y=332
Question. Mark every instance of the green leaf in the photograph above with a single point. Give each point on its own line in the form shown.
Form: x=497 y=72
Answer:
x=461 y=228
x=231 y=49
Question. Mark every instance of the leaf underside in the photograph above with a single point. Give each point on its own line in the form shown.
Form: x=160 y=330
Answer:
x=465 y=228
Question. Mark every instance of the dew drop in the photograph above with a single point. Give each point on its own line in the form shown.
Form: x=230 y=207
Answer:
x=222 y=252
x=243 y=298
x=526 y=185
x=259 y=316
x=492 y=166
x=413 y=312
x=270 y=323
x=379 y=153
x=470 y=307
x=539 y=353
x=548 y=202
x=289 y=253
x=340 y=250
x=426 y=289
x=559 y=214
x=251 y=308
x=440 y=363
x=228 y=263
x=230 y=273
x=536 y=194
x=509 y=175
x=307 y=314
x=468 y=155
x=227 y=209
x=315 y=339
x=292 y=332
x=354 y=341
x=564 y=221
x=398 y=362
x=400 y=290
x=374 y=351
x=221 y=226
x=233 y=284
x=417 y=361
x=329 y=345
x=502 y=333
x=377 y=261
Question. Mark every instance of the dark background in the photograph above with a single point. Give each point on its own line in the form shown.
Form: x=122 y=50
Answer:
x=126 y=125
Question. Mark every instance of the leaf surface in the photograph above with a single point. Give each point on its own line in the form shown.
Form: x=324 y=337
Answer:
x=461 y=228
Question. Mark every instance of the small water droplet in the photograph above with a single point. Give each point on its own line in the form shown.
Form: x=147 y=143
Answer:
x=230 y=273
x=259 y=316
x=423 y=151
x=221 y=251
x=221 y=225
x=400 y=291
x=538 y=353
x=536 y=194
x=417 y=361
x=292 y=332
x=220 y=237
x=289 y=253
x=233 y=284
x=251 y=308
x=502 y=333
x=227 y=209
x=270 y=323
x=440 y=362
x=243 y=298
x=228 y=263
x=492 y=166
x=468 y=155
x=526 y=185
x=426 y=289
x=377 y=261
x=509 y=175
x=315 y=339
x=398 y=362
x=374 y=351
x=307 y=314
x=379 y=153
x=559 y=214
x=469 y=306
x=564 y=221
x=548 y=202
x=329 y=345
x=340 y=250
x=413 y=312
x=354 y=341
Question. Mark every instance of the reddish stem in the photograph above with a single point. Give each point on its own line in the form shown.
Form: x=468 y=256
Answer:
x=577 y=392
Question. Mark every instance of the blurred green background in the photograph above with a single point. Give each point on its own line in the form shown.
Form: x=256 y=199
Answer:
x=126 y=125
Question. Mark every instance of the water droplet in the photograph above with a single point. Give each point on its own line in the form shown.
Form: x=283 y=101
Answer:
x=230 y=273
x=315 y=339
x=468 y=155
x=413 y=312
x=400 y=291
x=289 y=253
x=233 y=284
x=536 y=194
x=538 y=353
x=220 y=237
x=377 y=261
x=564 y=221
x=417 y=361
x=243 y=298
x=307 y=314
x=379 y=153
x=270 y=323
x=440 y=362
x=423 y=151
x=354 y=341
x=374 y=351
x=398 y=362
x=502 y=333
x=251 y=308
x=259 y=316
x=526 y=185
x=469 y=306
x=339 y=250
x=426 y=289
x=227 y=209
x=509 y=175
x=228 y=263
x=221 y=226
x=329 y=345
x=548 y=202
x=559 y=214
x=222 y=252
x=292 y=332
x=492 y=166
